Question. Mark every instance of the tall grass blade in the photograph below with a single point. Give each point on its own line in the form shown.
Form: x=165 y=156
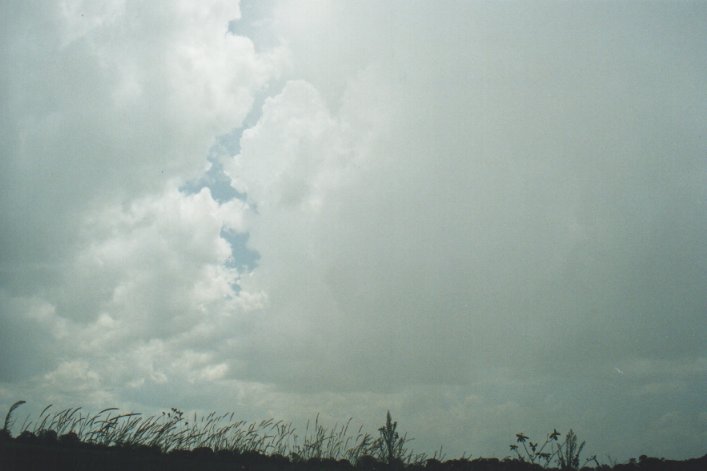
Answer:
x=8 y=417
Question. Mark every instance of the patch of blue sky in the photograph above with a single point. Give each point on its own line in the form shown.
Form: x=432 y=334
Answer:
x=243 y=258
x=255 y=24
x=217 y=182
x=228 y=146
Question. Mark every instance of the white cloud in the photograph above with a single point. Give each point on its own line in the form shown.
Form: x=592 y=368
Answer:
x=467 y=214
x=131 y=100
x=506 y=217
x=112 y=274
x=79 y=18
x=158 y=305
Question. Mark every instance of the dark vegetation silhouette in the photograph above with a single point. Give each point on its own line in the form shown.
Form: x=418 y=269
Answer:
x=71 y=440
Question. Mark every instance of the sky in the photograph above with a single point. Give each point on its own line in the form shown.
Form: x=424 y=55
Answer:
x=485 y=217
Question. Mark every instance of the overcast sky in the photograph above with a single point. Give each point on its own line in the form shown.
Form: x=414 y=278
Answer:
x=485 y=217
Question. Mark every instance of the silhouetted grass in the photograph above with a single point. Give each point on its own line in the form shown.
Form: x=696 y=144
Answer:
x=565 y=454
x=77 y=440
x=172 y=430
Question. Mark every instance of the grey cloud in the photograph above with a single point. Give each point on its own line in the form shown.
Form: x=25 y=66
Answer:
x=470 y=214
x=27 y=342
x=108 y=114
x=529 y=201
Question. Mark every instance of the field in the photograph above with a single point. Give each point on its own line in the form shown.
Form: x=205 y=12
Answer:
x=70 y=439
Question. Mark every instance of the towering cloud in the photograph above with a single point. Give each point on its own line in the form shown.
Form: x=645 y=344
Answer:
x=485 y=217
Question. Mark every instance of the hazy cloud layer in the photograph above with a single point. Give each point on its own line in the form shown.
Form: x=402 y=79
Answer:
x=487 y=218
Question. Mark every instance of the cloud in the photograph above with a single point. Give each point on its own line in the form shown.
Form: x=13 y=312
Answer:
x=108 y=109
x=485 y=205
x=120 y=98
x=144 y=311
x=467 y=214
x=24 y=319
x=477 y=203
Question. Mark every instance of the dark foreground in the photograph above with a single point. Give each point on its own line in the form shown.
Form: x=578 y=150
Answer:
x=67 y=453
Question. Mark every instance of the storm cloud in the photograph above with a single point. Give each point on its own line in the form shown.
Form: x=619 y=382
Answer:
x=485 y=217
